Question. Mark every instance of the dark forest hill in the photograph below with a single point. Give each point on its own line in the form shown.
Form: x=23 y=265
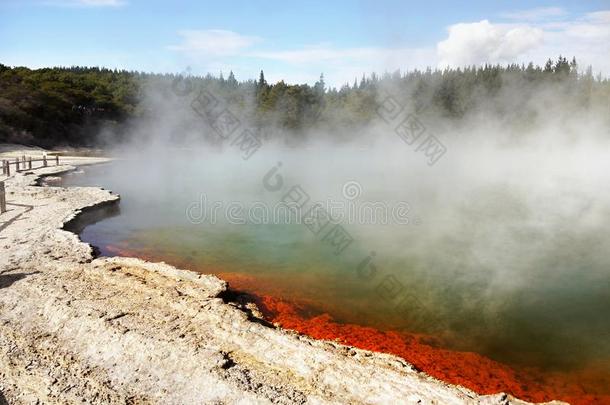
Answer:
x=70 y=106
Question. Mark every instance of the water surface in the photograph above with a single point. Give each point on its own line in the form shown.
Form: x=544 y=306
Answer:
x=513 y=269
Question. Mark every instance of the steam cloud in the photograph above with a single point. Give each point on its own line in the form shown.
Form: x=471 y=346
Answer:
x=510 y=257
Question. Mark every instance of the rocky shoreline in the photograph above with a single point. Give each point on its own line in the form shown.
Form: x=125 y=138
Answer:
x=76 y=328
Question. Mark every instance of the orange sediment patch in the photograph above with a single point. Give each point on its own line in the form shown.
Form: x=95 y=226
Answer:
x=468 y=369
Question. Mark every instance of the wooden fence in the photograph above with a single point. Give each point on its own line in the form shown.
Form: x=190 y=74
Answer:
x=20 y=165
x=25 y=163
x=2 y=198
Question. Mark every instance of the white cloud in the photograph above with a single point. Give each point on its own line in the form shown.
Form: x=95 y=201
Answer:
x=535 y=14
x=86 y=3
x=215 y=50
x=593 y=26
x=480 y=42
x=213 y=42
x=328 y=53
x=587 y=37
x=343 y=65
x=304 y=55
x=599 y=16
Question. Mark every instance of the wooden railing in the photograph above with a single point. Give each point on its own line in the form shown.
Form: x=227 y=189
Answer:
x=2 y=198
x=20 y=165
x=25 y=163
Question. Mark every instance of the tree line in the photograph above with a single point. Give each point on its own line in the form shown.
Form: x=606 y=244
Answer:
x=70 y=106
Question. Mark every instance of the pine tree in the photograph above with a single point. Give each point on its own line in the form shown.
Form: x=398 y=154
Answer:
x=262 y=83
x=320 y=86
x=573 y=67
x=231 y=81
x=362 y=82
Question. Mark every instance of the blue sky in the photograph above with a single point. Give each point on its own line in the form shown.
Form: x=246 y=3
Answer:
x=296 y=41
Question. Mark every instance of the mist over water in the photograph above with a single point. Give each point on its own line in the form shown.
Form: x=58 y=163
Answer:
x=504 y=251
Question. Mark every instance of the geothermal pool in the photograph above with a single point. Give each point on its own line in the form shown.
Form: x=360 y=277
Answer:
x=493 y=279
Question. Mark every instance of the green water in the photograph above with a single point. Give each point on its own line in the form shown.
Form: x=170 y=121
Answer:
x=491 y=274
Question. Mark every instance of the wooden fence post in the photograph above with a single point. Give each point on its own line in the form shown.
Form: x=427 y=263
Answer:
x=3 y=166
x=56 y=160
x=44 y=160
x=8 y=167
x=2 y=198
x=30 y=163
x=16 y=164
